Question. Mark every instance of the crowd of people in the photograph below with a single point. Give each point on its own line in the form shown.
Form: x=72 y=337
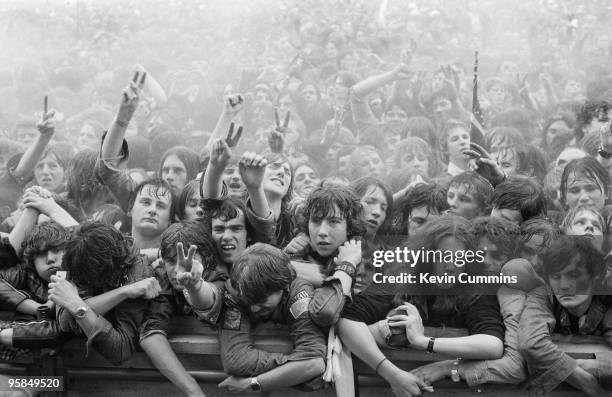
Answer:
x=243 y=166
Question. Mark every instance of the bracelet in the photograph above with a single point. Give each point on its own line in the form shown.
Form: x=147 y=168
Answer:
x=122 y=123
x=379 y=364
x=430 y=345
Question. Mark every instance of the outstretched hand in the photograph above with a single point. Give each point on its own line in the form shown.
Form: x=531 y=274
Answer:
x=188 y=270
x=46 y=125
x=252 y=168
x=131 y=96
x=484 y=165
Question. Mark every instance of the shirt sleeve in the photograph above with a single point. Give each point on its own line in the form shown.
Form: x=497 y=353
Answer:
x=12 y=280
x=239 y=355
x=308 y=338
x=482 y=316
x=547 y=364
x=119 y=182
x=265 y=228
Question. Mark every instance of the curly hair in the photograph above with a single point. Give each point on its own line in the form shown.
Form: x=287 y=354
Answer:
x=189 y=233
x=98 y=256
x=322 y=202
x=48 y=236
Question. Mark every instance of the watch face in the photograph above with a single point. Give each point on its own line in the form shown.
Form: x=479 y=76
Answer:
x=255 y=386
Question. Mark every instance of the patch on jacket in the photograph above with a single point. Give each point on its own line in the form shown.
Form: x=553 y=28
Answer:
x=299 y=304
x=232 y=319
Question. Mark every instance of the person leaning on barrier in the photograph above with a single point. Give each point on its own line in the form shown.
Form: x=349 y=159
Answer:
x=262 y=287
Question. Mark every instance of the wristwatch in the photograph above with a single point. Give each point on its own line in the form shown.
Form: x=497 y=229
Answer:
x=455 y=371
x=80 y=312
x=255 y=386
x=603 y=153
x=347 y=267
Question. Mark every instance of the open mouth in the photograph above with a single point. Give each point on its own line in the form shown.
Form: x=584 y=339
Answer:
x=279 y=182
x=235 y=186
x=372 y=222
x=228 y=247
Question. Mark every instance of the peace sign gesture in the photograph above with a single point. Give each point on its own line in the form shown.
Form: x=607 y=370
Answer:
x=188 y=271
x=46 y=126
x=131 y=97
x=276 y=140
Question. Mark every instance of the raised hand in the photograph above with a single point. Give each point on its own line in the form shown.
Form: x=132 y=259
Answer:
x=232 y=139
x=220 y=153
x=484 y=165
x=402 y=72
x=188 y=270
x=232 y=105
x=131 y=97
x=39 y=199
x=46 y=126
x=350 y=252
x=252 y=168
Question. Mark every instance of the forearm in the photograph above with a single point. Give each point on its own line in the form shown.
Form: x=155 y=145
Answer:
x=111 y=145
x=220 y=130
x=582 y=380
x=31 y=156
x=202 y=297
x=26 y=222
x=291 y=374
x=62 y=217
x=259 y=202
x=28 y=306
x=357 y=337
x=364 y=87
x=160 y=352
x=212 y=185
x=479 y=346
x=107 y=301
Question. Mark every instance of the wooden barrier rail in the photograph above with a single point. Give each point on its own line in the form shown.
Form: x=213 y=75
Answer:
x=197 y=346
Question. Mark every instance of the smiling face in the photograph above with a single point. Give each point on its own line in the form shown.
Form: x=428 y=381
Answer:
x=327 y=233
x=49 y=174
x=306 y=179
x=277 y=178
x=233 y=180
x=230 y=236
x=175 y=173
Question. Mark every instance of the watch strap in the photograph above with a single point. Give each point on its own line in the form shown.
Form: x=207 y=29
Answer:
x=346 y=267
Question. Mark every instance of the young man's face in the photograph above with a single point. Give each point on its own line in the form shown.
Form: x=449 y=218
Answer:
x=230 y=236
x=415 y=163
x=277 y=178
x=151 y=211
x=572 y=285
x=374 y=203
x=458 y=141
x=584 y=191
x=494 y=258
x=419 y=218
x=264 y=309
x=462 y=202
x=306 y=179
x=175 y=173
x=585 y=223
x=49 y=173
x=170 y=265
x=328 y=233
x=192 y=208
x=48 y=264
x=233 y=180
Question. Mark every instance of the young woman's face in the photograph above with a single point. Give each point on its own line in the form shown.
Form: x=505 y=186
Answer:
x=585 y=223
x=49 y=174
x=277 y=178
x=415 y=163
x=458 y=141
x=374 y=203
x=446 y=266
x=585 y=191
x=175 y=173
x=306 y=179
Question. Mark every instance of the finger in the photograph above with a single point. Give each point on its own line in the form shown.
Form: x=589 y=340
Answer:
x=143 y=79
x=237 y=136
x=230 y=132
x=45 y=106
x=479 y=148
x=135 y=78
x=180 y=253
x=191 y=253
x=471 y=153
x=287 y=118
x=276 y=118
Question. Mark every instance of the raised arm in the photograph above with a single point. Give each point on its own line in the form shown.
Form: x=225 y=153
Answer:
x=220 y=155
x=364 y=87
x=46 y=128
x=232 y=105
x=111 y=147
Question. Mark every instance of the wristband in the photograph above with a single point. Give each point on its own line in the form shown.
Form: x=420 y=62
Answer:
x=347 y=267
x=379 y=364
x=121 y=123
x=430 y=345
